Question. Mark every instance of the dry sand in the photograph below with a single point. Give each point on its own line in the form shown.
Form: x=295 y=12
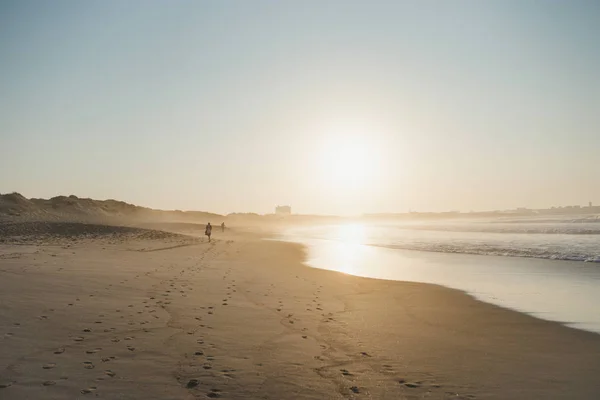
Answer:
x=118 y=313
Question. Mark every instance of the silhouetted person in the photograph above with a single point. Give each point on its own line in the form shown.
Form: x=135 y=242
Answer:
x=208 y=231
x=223 y=227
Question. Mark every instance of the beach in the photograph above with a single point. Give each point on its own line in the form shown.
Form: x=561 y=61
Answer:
x=118 y=313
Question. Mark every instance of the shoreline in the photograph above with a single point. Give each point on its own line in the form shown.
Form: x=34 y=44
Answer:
x=501 y=320
x=564 y=324
x=471 y=274
x=244 y=317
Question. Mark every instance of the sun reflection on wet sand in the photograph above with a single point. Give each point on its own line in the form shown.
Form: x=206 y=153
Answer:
x=350 y=250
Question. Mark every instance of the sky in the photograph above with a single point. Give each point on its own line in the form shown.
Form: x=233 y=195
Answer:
x=333 y=107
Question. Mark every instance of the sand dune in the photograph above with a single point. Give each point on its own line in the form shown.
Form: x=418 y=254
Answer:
x=15 y=207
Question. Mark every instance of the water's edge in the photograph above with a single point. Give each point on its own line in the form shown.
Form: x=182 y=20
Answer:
x=524 y=285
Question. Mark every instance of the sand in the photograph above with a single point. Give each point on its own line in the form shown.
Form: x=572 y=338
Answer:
x=100 y=312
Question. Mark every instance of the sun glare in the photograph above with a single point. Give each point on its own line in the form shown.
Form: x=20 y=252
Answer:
x=349 y=159
x=348 y=251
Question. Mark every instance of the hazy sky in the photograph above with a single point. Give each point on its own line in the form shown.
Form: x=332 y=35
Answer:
x=241 y=105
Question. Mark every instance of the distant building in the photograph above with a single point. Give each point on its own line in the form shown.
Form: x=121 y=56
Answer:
x=283 y=210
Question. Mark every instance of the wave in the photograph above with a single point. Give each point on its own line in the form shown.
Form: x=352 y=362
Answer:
x=592 y=219
x=569 y=242
x=499 y=251
x=562 y=228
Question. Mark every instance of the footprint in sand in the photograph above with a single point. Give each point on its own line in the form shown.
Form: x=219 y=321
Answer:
x=192 y=383
x=387 y=369
x=49 y=383
x=60 y=350
x=88 y=365
x=89 y=390
x=49 y=366
x=110 y=373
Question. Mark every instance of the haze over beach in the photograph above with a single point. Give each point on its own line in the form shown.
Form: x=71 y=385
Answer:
x=299 y=200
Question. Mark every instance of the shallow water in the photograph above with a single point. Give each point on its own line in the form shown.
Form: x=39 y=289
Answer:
x=555 y=239
x=556 y=290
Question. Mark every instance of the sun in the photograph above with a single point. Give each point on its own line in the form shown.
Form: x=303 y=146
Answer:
x=346 y=162
x=349 y=159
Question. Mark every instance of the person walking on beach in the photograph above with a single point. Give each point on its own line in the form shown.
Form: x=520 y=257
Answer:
x=223 y=227
x=208 y=231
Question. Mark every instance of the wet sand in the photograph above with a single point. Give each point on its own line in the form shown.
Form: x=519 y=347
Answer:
x=154 y=316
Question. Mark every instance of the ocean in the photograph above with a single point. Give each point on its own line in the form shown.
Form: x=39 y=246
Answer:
x=548 y=267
